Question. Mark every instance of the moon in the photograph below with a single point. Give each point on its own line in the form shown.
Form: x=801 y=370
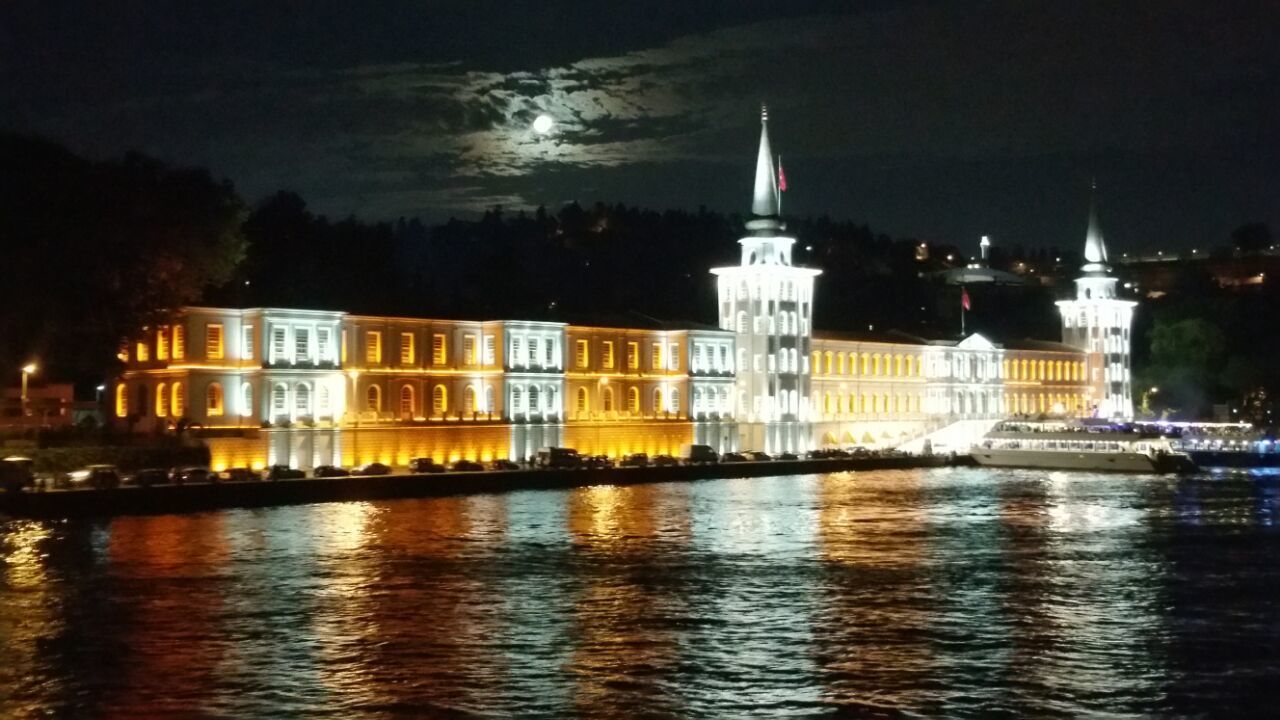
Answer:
x=543 y=124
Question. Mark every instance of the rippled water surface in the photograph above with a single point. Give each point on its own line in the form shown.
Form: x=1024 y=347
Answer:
x=956 y=593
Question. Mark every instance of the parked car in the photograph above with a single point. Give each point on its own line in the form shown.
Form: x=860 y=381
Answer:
x=597 y=462
x=330 y=471
x=420 y=465
x=733 y=457
x=559 y=458
x=699 y=455
x=99 y=477
x=373 y=468
x=148 y=477
x=466 y=466
x=15 y=473
x=192 y=474
x=240 y=474
x=788 y=456
x=664 y=461
x=634 y=460
x=284 y=472
x=502 y=464
x=757 y=456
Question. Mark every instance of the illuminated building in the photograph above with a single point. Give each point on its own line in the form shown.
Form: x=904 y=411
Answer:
x=305 y=388
x=1099 y=324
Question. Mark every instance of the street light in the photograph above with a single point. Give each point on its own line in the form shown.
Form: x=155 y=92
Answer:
x=27 y=371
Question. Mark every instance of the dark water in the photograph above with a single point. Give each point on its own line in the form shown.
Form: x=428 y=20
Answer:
x=955 y=593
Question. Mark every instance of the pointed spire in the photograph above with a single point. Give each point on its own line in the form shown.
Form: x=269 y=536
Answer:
x=764 y=200
x=1095 y=250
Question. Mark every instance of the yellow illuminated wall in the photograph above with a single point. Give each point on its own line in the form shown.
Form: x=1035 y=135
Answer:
x=622 y=438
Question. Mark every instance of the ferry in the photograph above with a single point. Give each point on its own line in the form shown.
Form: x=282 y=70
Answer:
x=1227 y=445
x=1082 y=445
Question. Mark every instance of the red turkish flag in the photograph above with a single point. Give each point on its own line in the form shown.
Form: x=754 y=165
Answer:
x=964 y=298
x=782 y=177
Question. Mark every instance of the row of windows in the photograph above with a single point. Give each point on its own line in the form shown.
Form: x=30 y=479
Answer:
x=662 y=356
x=840 y=404
x=530 y=352
x=786 y=323
x=171 y=343
x=472 y=346
x=661 y=402
x=407 y=405
x=1043 y=370
x=871 y=364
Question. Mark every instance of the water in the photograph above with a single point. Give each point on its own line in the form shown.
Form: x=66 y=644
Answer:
x=957 y=593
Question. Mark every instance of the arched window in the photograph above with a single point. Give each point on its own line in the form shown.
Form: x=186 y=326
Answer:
x=606 y=399
x=373 y=399
x=162 y=400
x=213 y=400
x=301 y=400
x=876 y=364
x=697 y=400
x=178 y=399
x=742 y=321
x=122 y=400
x=534 y=407
x=323 y=400
x=246 y=399
x=550 y=402
x=440 y=400
x=469 y=400
x=657 y=400
x=742 y=290
x=817 y=361
x=675 y=400
x=488 y=399
x=580 y=405
x=742 y=360
x=633 y=400
x=407 y=402
x=826 y=403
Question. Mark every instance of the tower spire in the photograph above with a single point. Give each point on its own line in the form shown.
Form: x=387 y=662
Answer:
x=1095 y=249
x=764 y=200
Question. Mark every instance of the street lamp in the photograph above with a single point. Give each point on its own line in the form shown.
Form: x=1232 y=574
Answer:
x=27 y=371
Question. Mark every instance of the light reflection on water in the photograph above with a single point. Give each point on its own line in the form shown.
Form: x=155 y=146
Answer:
x=960 y=593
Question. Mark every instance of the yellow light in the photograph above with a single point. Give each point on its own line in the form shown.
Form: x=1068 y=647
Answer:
x=29 y=369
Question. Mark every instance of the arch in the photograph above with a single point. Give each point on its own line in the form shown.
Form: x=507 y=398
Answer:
x=440 y=400
x=407 y=402
x=582 y=401
x=279 y=400
x=897 y=366
x=178 y=399
x=550 y=402
x=517 y=398
x=633 y=400
x=373 y=398
x=533 y=406
x=826 y=403
x=488 y=399
x=162 y=400
x=830 y=362
x=657 y=401
x=302 y=400
x=606 y=399
x=122 y=400
x=246 y=399
x=213 y=400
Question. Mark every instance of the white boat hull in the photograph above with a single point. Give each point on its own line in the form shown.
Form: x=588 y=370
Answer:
x=1134 y=462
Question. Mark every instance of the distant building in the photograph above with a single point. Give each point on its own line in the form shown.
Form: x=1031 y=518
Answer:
x=48 y=405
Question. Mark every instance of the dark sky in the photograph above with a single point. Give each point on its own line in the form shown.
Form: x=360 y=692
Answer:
x=939 y=120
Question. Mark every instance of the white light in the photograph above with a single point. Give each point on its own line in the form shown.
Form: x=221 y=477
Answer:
x=543 y=124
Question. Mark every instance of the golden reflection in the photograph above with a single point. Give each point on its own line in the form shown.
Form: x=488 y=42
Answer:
x=31 y=610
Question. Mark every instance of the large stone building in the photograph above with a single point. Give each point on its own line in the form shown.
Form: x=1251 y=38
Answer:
x=270 y=386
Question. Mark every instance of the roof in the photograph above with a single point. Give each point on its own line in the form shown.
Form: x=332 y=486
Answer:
x=1039 y=345
x=892 y=337
x=639 y=321
x=977 y=275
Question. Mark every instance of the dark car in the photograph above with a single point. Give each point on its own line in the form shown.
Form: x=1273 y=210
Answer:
x=664 y=461
x=374 y=468
x=502 y=464
x=284 y=472
x=15 y=474
x=466 y=466
x=733 y=457
x=181 y=476
x=422 y=465
x=634 y=460
x=329 y=471
x=148 y=477
x=597 y=462
x=788 y=456
x=758 y=456
x=240 y=474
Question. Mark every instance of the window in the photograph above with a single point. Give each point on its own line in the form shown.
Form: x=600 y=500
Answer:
x=657 y=400
x=277 y=344
x=322 y=400
x=142 y=352
x=342 y=351
x=606 y=355
x=246 y=347
x=373 y=399
x=550 y=347
x=439 y=400
x=581 y=354
x=673 y=356
x=162 y=400
x=178 y=399
x=213 y=400
x=633 y=356
x=438 y=349
x=489 y=352
x=407 y=349
x=302 y=400
x=301 y=345
x=246 y=400
x=213 y=341
x=488 y=399
x=469 y=400
x=581 y=404
x=698 y=365
x=675 y=400
x=406 y=401
x=322 y=345
x=469 y=349
x=179 y=342
x=515 y=351
x=516 y=398
x=373 y=347
x=122 y=400
x=550 y=401
x=655 y=356
x=279 y=400
x=162 y=344
x=633 y=400
x=531 y=358
x=741 y=325
x=533 y=399
x=606 y=399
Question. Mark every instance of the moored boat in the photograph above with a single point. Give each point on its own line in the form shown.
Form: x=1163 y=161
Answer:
x=1081 y=446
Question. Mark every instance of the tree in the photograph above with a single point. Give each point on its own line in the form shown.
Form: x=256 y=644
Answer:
x=1251 y=238
x=1185 y=357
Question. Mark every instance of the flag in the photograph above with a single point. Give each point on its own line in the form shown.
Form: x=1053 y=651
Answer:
x=782 y=177
x=964 y=298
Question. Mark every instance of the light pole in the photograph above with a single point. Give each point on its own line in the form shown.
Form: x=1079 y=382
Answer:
x=27 y=371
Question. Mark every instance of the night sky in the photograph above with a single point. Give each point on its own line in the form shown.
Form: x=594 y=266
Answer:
x=937 y=120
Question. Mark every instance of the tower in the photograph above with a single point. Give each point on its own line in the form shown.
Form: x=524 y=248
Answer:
x=1099 y=323
x=768 y=303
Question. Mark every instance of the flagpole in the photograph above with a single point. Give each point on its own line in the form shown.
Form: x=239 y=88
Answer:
x=777 y=189
x=963 y=294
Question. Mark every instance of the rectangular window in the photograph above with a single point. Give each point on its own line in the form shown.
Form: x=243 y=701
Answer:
x=489 y=350
x=277 y=344
x=633 y=356
x=516 y=347
x=655 y=357
x=469 y=349
x=407 y=350
x=606 y=355
x=581 y=354
x=213 y=341
x=162 y=344
x=179 y=342
x=438 y=349
x=373 y=347
x=246 y=347
x=301 y=345
x=551 y=351
x=342 y=351
x=673 y=357
x=322 y=345
x=697 y=358
x=532 y=358
x=142 y=352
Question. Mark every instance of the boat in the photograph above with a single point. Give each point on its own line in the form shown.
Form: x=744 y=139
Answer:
x=1081 y=445
x=1228 y=445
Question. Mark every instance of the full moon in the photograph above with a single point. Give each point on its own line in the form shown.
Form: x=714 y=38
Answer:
x=542 y=124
